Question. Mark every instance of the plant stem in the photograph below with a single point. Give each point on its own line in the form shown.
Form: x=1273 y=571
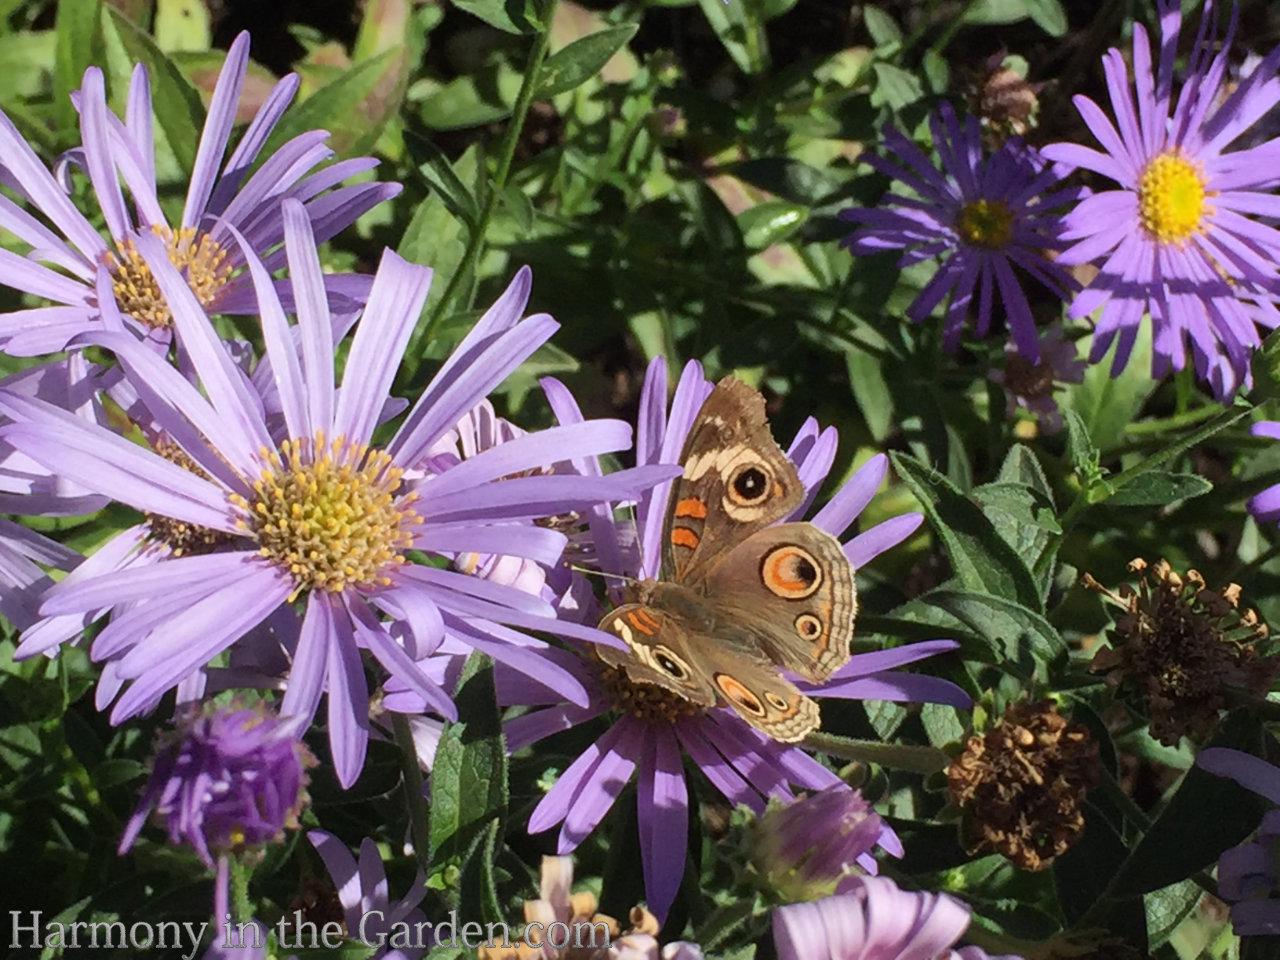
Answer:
x=894 y=755
x=418 y=813
x=506 y=155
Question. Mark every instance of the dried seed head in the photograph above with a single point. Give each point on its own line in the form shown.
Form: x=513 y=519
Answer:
x=1178 y=647
x=1020 y=786
x=1005 y=102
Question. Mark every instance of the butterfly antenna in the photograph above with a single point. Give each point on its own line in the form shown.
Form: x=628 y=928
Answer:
x=590 y=572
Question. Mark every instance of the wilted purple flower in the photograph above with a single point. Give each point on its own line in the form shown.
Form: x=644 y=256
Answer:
x=874 y=920
x=649 y=732
x=805 y=848
x=981 y=215
x=77 y=270
x=1248 y=875
x=1029 y=386
x=248 y=523
x=1175 y=239
x=398 y=930
x=227 y=780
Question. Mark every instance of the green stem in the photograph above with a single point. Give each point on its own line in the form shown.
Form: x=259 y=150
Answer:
x=241 y=908
x=894 y=755
x=412 y=772
x=506 y=156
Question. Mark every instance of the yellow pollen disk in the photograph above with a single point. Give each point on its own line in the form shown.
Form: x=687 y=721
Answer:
x=203 y=264
x=985 y=223
x=1171 y=198
x=327 y=512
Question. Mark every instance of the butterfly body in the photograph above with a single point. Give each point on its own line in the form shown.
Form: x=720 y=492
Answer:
x=740 y=594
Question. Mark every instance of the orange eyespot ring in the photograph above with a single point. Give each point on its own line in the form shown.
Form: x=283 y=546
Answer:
x=777 y=702
x=808 y=626
x=749 y=484
x=791 y=572
x=739 y=695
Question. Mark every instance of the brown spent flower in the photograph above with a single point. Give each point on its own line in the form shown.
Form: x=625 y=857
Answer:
x=1005 y=102
x=1020 y=786
x=1178 y=647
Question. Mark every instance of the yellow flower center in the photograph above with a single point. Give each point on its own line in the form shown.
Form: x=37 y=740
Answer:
x=183 y=538
x=985 y=223
x=203 y=264
x=328 y=513
x=1171 y=198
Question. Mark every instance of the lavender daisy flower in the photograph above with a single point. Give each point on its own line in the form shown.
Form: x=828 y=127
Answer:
x=981 y=216
x=78 y=270
x=1030 y=386
x=875 y=920
x=805 y=848
x=247 y=523
x=398 y=930
x=1247 y=874
x=650 y=729
x=228 y=781
x=1175 y=238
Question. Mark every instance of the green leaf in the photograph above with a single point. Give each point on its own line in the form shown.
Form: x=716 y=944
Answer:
x=437 y=237
x=769 y=222
x=518 y=205
x=1010 y=629
x=1159 y=487
x=895 y=87
x=1184 y=840
x=1048 y=16
x=787 y=178
x=472 y=99
x=181 y=25
x=1167 y=908
x=996 y=11
x=882 y=27
x=1081 y=873
x=1080 y=446
x=983 y=560
x=509 y=16
x=435 y=168
x=581 y=60
x=1108 y=404
x=175 y=102
x=731 y=26
x=76 y=30
x=354 y=107
x=870 y=390
x=469 y=775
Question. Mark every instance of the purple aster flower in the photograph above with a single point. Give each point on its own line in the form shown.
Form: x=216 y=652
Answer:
x=1248 y=874
x=805 y=848
x=875 y=920
x=78 y=270
x=649 y=732
x=982 y=215
x=398 y=930
x=247 y=523
x=1030 y=386
x=1175 y=238
x=227 y=781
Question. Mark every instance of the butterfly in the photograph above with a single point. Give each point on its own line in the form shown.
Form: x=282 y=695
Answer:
x=739 y=594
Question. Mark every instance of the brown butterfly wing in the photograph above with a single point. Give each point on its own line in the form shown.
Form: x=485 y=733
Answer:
x=736 y=481
x=791 y=588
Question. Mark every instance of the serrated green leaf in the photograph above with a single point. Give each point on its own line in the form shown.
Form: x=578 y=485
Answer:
x=579 y=61
x=1010 y=629
x=1080 y=446
x=1159 y=487
x=174 y=101
x=983 y=561
x=1183 y=839
x=469 y=774
x=509 y=16
x=894 y=87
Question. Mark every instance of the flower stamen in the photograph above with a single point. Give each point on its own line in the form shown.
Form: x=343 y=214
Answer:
x=985 y=223
x=201 y=260
x=1171 y=198
x=327 y=512
x=645 y=701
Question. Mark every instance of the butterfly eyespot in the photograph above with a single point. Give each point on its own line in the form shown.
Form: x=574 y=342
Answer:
x=670 y=665
x=791 y=572
x=748 y=485
x=739 y=696
x=776 y=701
x=808 y=626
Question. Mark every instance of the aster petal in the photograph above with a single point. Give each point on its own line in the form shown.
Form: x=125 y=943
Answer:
x=529 y=498
x=136 y=583
x=901 y=688
x=719 y=771
x=314 y=322
x=595 y=795
x=852 y=497
x=520 y=653
x=395 y=303
x=1250 y=772
x=800 y=929
x=372 y=635
x=216 y=130
x=662 y=809
x=310 y=660
x=251 y=142
x=522 y=540
x=348 y=711
x=529 y=728
x=623 y=738
x=869 y=544
x=865 y=664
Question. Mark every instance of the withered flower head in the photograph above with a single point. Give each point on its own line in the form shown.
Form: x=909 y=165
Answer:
x=1004 y=101
x=1021 y=785
x=1178 y=646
